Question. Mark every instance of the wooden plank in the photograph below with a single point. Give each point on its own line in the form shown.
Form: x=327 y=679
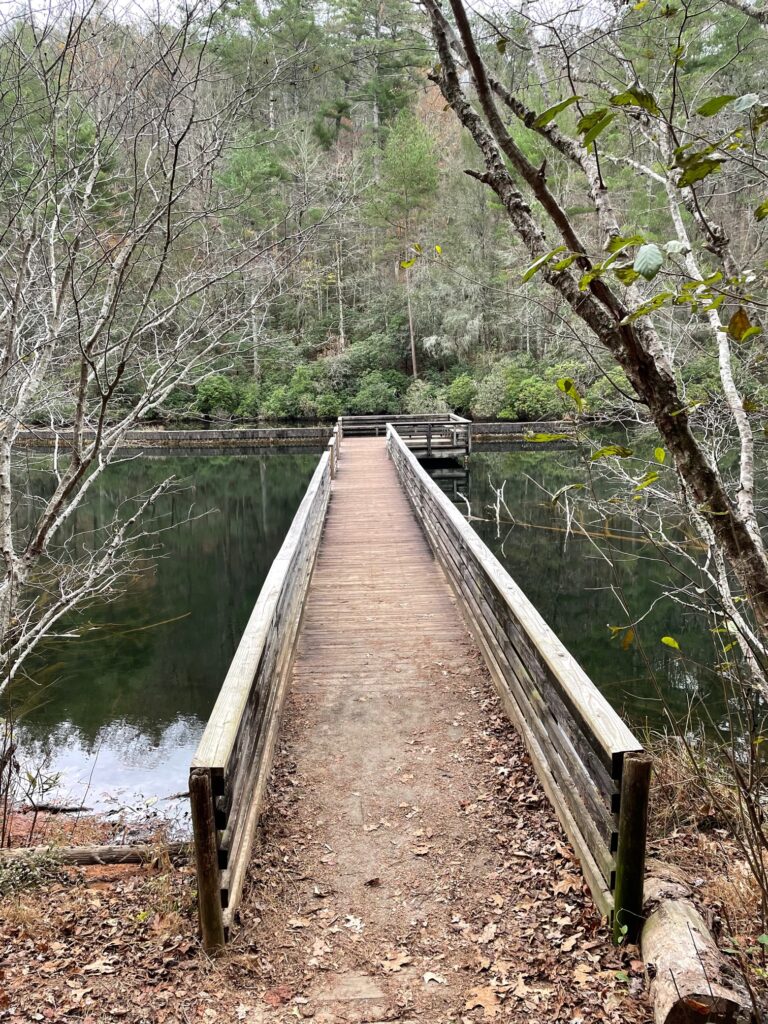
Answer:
x=208 y=893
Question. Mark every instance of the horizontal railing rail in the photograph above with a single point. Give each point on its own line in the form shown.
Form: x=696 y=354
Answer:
x=376 y=425
x=591 y=766
x=229 y=772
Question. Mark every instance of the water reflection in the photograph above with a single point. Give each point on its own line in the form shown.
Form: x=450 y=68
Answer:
x=579 y=593
x=120 y=709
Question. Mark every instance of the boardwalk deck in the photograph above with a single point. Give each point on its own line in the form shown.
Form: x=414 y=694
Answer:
x=412 y=847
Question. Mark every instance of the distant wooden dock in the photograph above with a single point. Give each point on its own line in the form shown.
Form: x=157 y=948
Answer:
x=379 y=572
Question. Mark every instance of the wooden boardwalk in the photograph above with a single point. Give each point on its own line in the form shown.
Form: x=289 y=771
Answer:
x=397 y=861
x=378 y=603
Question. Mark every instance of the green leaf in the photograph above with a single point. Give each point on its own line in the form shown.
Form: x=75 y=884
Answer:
x=407 y=264
x=598 y=128
x=751 y=332
x=501 y=45
x=763 y=940
x=624 y=242
x=566 y=385
x=761 y=212
x=539 y=263
x=698 y=171
x=660 y=455
x=650 y=478
x=565 y=263
x=714 y=105
x=546 y=437
x=439 y=250
x=670 y=642
x=648 y=307
x=562 y=490
x=622 y=975
x=626 y=274
x=545 y=117
x=746 y=102
x=586 y=279
x=648 y=261
x=676 y=248
x=612 y=450
x=636 y=97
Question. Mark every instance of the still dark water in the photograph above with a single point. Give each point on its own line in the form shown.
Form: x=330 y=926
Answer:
x=119 y=710
x=580 y=594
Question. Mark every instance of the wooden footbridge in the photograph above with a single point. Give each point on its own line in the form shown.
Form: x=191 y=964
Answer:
x=377 y=571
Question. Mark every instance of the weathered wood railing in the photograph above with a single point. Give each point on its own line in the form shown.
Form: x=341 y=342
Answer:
x=334 y=448
x=429 y=437
x=591 y=766
x=376 y=425
x=229 y=771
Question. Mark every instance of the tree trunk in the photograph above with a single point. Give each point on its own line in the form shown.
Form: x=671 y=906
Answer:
x=691 y=981
x=99 y=854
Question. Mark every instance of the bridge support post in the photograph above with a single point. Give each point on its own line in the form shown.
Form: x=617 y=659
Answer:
x=208 y=889
x=630 y=855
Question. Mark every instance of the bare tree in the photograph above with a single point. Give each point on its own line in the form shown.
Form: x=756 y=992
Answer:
x=600 y=289
x=124 y=272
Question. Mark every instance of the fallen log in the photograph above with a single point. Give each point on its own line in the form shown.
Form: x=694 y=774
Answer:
x=691 y=980
x=139 y=854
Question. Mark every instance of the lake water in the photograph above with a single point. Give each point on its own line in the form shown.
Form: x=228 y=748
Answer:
x=120 y=709
x=579 y=593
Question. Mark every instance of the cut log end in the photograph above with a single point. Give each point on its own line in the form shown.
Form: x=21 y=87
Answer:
x=691 y=981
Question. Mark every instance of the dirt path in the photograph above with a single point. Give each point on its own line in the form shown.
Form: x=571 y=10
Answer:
x=423 y=875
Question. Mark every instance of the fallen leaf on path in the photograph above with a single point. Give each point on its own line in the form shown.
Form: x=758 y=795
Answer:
x=485 y=997
x=299 y=922
x=570 y=883
x=420 y=851
x=278 y=996
x=353 y=923
x=429 y=976
x=394 y=962
x=99 y=967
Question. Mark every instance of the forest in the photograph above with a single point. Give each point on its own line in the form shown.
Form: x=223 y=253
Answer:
x=387 y=276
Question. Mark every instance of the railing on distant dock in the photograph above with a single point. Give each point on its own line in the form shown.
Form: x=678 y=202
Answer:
x=229 y=772
x=430 y=435
x=590 y=765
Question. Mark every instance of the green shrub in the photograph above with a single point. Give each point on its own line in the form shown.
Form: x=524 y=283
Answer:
x=376 y=394
x=216 y=394
x=424 y=397
x=605 y=395
x=535 y=399
x=462 y=392
x=250 y=401
x=492 y=395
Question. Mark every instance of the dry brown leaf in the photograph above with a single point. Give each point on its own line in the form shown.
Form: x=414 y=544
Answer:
x=485 y=997
x=394 y=962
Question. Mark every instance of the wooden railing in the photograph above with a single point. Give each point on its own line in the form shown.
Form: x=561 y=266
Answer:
x=591 y=767
x=229 y=771
x=370 y=426
x=334 y=449
x=432 y=436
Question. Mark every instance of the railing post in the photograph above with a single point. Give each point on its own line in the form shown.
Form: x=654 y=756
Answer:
x=630 y=855
x=208 y=887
